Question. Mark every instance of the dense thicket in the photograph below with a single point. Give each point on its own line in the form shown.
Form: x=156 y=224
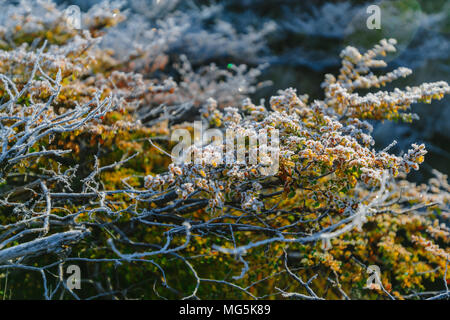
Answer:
x=85 y=117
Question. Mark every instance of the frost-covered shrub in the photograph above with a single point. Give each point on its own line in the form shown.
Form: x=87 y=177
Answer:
x=85 y=180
